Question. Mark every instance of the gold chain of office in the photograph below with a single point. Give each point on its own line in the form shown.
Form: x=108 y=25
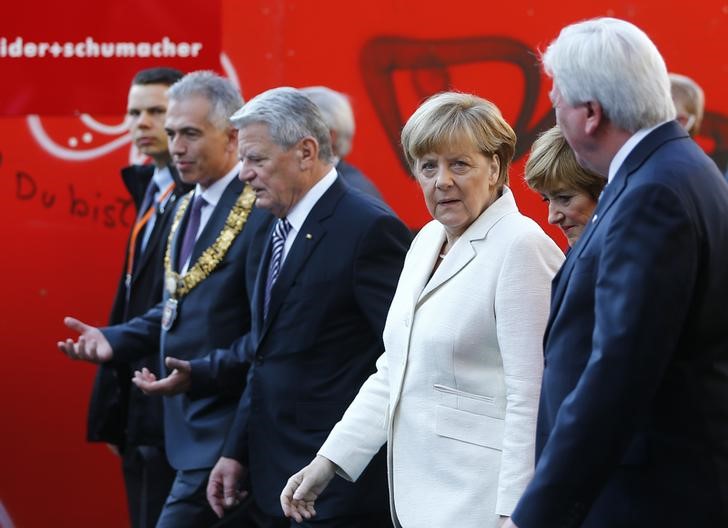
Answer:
x=179 y=286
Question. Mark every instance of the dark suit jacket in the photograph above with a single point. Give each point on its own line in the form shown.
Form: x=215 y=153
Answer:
x=118 y=411
x=212 y=315
x=317 y=346
x=355 y=179
x=633 y=421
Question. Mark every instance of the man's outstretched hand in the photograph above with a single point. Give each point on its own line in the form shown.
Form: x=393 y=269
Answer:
x=91 y=345
x=178 y=381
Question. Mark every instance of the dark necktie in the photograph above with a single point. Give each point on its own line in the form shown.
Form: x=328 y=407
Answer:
x=148 y=199
x=193 y=225
x=142 y=220
x=278 y=241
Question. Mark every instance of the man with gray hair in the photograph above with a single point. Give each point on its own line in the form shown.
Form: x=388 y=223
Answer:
x=339 y=117
x=633 y=419
x=331 y=261
x=205 y=302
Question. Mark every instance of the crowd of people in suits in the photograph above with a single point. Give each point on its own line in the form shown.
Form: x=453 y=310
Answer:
x=282 y=352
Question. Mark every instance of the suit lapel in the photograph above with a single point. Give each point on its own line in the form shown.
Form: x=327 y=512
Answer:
x=464 y=251
x=558 y=285
x=136 y=178
x=307 y=239
x=217 y=219
x=425 y=252
x=460 y=254
x=175 y=247
x=155 y=238
x=612 y=192
x=260 y=278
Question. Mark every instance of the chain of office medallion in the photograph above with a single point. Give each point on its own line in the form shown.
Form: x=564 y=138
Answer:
x=213 y=255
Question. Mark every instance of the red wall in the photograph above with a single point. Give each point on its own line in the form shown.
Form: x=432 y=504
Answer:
x=63 y=256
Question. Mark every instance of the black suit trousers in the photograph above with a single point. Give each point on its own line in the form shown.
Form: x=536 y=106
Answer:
x=148 y=478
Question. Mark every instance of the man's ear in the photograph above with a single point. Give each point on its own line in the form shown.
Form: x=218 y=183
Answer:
x=308 y=150
x=232 y=136
x=594 y=117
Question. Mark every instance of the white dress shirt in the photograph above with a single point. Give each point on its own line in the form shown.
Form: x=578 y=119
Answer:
x=212 y=195
x=299 y=212
x=628 y=147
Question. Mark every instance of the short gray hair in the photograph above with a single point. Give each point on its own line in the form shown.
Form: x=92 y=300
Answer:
x=223 y=96
x=338 y=114
x=289 y=115
x=615 y=63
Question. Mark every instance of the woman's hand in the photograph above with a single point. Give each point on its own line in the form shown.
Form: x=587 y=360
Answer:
x=303 y=488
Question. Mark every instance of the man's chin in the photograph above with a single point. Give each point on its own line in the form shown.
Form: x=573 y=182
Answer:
x=188 y=177
x=150 y=150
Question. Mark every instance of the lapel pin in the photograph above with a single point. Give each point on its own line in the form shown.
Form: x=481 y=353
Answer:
x=594 y=218
x=308 y=236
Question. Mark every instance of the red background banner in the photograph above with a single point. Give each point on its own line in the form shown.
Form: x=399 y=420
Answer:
x=65 y=215
x=58 y=58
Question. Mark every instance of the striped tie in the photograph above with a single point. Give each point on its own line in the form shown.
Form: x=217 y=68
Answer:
x=278 y=241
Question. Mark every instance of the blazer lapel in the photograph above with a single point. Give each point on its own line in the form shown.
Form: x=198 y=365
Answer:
x=426 y=252
x=260 y=278
x=175 y=247
x=155 y=238
x=307 y=239
x=561 y=279
x=612 y=192
x=460 y=254
x=463 y=251
x=136 y=178
x=217 y=219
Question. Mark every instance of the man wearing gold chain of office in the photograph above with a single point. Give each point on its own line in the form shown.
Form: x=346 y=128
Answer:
x=205 y=305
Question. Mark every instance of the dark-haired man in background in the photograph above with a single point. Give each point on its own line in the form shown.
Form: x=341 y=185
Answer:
x=119 y=413
x=205 y=302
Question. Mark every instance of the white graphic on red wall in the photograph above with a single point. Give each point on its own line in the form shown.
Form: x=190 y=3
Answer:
x=93 y=138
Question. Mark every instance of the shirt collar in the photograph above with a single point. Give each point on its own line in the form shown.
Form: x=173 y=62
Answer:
x=628 y=147
x=162 y=177
x=299 y=212
x=213 y=193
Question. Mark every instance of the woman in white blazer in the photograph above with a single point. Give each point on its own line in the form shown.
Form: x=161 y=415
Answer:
x=455 y=395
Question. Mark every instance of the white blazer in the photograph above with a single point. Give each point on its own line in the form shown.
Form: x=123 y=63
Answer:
x=456 y=392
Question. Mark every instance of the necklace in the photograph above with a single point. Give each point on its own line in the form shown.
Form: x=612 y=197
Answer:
x=178 y=286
